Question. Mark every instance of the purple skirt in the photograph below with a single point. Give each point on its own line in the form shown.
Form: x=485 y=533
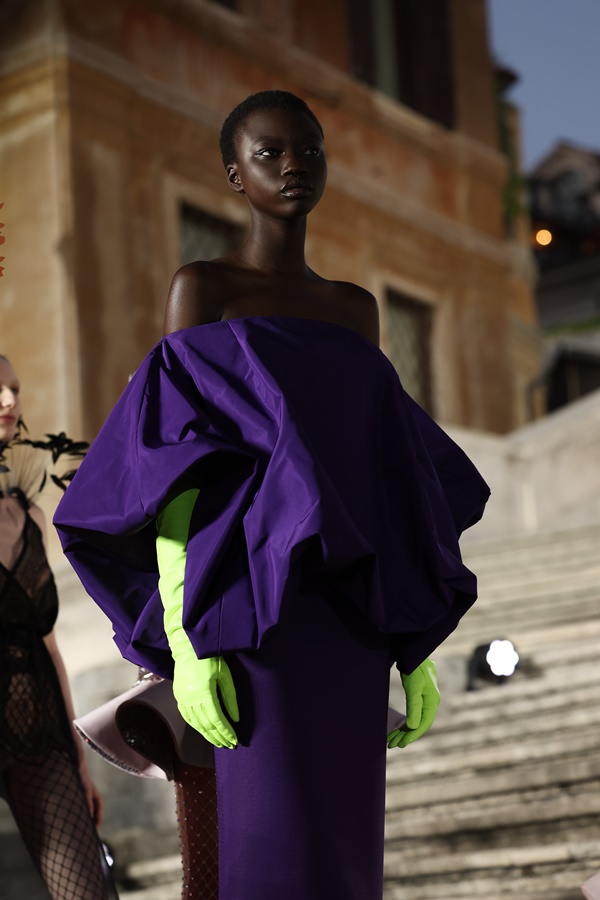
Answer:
x=302 y=797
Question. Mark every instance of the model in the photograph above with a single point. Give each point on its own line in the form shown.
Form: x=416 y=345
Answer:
x=43 y=771
x=308 y=514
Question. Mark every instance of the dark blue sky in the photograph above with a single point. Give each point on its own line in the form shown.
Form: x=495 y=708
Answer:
x=554 y=45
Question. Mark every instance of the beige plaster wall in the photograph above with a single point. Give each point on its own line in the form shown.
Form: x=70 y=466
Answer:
x=36 y=306
x=135 y=94
x=544 y=476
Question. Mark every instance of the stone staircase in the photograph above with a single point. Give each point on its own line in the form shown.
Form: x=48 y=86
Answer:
x=502 y=798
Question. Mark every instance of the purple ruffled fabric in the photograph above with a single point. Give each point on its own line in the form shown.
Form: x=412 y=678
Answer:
x=315 y=469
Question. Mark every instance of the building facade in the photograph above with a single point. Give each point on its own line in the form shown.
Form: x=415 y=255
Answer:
x=111 y=177
x=564 y=193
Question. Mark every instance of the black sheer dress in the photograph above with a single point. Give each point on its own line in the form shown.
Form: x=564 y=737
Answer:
x=38 y=760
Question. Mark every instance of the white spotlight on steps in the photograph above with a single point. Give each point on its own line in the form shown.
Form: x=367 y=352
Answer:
x=491 y=663
x=502 y=658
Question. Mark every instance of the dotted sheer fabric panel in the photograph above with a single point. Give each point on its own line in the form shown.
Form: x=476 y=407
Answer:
x=196 y=796
x=50 y=809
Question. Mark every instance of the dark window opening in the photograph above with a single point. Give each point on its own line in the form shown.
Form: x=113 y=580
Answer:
x=409 y=342
x=204 y=236
x=403 y=48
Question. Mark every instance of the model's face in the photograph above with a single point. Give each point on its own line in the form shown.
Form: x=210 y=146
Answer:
x=10 y=401
x=280 y=165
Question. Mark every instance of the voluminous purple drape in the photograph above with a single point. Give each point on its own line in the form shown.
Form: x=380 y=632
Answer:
x=317 y=474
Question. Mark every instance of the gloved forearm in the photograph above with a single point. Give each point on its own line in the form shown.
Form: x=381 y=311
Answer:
x=173 y=526
x=195 y=681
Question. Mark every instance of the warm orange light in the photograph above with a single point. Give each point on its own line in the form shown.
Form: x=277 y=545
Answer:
x=543 y=237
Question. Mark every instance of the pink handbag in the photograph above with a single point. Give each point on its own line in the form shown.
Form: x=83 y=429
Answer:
x=141 y=730
x=591 y=889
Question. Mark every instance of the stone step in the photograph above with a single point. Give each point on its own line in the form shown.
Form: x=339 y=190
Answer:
x=554 y=625
x=553 y=661
x=580 y=689
x=530 y=544
x=481 y=731
x=555 y=564
x=562 y=675
x=547 y=570
x=159 y=870
x=515 y=615
x=560 y=815
x=499 y=819
x=547 y=596
x=153 y=879
x=555 y=857
x=561 y=630
x=513 y=715
x=559 y=650
x=539 y=886
x=554 y=558
x=520 y=776
x=565 y=654
x=479 y=756
x=480 y=890
x=497 y=701
x=488 y=838
x=453 y=813
x=171 y=891
x=527 y=639
x=537 y=583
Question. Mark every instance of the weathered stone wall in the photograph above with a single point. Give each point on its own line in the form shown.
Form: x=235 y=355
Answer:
x=111 y=115
x=544 y=476
x=36 y=290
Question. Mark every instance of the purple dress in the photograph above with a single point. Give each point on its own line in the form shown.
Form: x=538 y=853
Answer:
x=323 y=545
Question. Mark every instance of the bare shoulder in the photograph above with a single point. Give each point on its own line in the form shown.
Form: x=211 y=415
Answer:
x=362 y=308
x=194 y=297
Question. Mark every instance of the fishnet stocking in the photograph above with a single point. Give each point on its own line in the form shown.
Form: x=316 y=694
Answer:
x=196 y=795
x=51 y=812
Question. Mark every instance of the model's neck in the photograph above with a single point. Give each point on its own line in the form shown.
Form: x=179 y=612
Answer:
x=276 y=246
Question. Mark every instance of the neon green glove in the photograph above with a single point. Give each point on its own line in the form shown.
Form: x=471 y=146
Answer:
x=195 y=681
x=422 y=701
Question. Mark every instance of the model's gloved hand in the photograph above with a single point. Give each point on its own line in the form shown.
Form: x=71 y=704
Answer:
x=195 y=684
x=195 y=681
x=422 y=701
